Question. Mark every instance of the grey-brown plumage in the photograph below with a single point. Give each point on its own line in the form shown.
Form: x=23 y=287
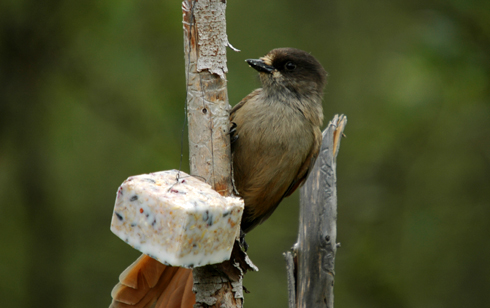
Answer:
x=277 y=135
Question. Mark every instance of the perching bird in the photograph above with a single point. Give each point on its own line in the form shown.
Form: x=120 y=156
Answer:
x=275 y=141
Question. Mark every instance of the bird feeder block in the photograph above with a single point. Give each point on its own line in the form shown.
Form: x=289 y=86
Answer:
x=177 y=220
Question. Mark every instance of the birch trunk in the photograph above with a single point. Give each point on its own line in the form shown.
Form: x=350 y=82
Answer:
x=205 y=44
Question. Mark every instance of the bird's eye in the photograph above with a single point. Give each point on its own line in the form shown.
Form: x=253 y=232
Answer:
x=290 y=66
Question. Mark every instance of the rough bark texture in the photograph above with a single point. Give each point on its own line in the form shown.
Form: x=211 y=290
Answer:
x=205 y=44
x=289 y=256
x=316 y=247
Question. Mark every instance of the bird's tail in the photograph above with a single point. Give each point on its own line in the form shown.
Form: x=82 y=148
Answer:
x=148 y=283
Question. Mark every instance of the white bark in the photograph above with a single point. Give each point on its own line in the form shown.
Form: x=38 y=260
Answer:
x=205 y=44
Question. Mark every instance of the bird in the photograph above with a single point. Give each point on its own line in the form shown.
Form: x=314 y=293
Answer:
x=275 y=139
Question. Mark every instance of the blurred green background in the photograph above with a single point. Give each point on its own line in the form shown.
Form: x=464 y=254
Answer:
x=92 y=92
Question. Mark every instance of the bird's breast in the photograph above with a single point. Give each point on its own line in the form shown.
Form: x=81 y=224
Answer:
x=271 y=136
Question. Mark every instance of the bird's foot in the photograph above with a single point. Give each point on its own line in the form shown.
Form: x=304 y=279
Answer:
x=233 y=132
x=243 y=244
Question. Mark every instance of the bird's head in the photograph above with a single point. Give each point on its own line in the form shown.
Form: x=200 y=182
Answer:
x=291 y=70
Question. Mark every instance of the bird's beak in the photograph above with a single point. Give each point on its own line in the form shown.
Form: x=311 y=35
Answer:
x=260 y=65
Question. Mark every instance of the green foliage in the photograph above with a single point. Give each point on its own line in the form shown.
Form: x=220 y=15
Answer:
x=93 y=92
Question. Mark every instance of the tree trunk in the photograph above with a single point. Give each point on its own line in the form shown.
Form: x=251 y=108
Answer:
x=316 y=247
x=205 y=44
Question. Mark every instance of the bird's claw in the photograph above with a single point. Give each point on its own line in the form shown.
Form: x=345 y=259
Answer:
x=233 y=132
x=243 y=244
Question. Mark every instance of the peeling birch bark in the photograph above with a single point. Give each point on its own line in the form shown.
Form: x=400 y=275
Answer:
x=205 y=43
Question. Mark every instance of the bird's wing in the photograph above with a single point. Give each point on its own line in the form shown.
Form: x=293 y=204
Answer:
x=147 y=281
x=307 y=166
x=248 y=223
